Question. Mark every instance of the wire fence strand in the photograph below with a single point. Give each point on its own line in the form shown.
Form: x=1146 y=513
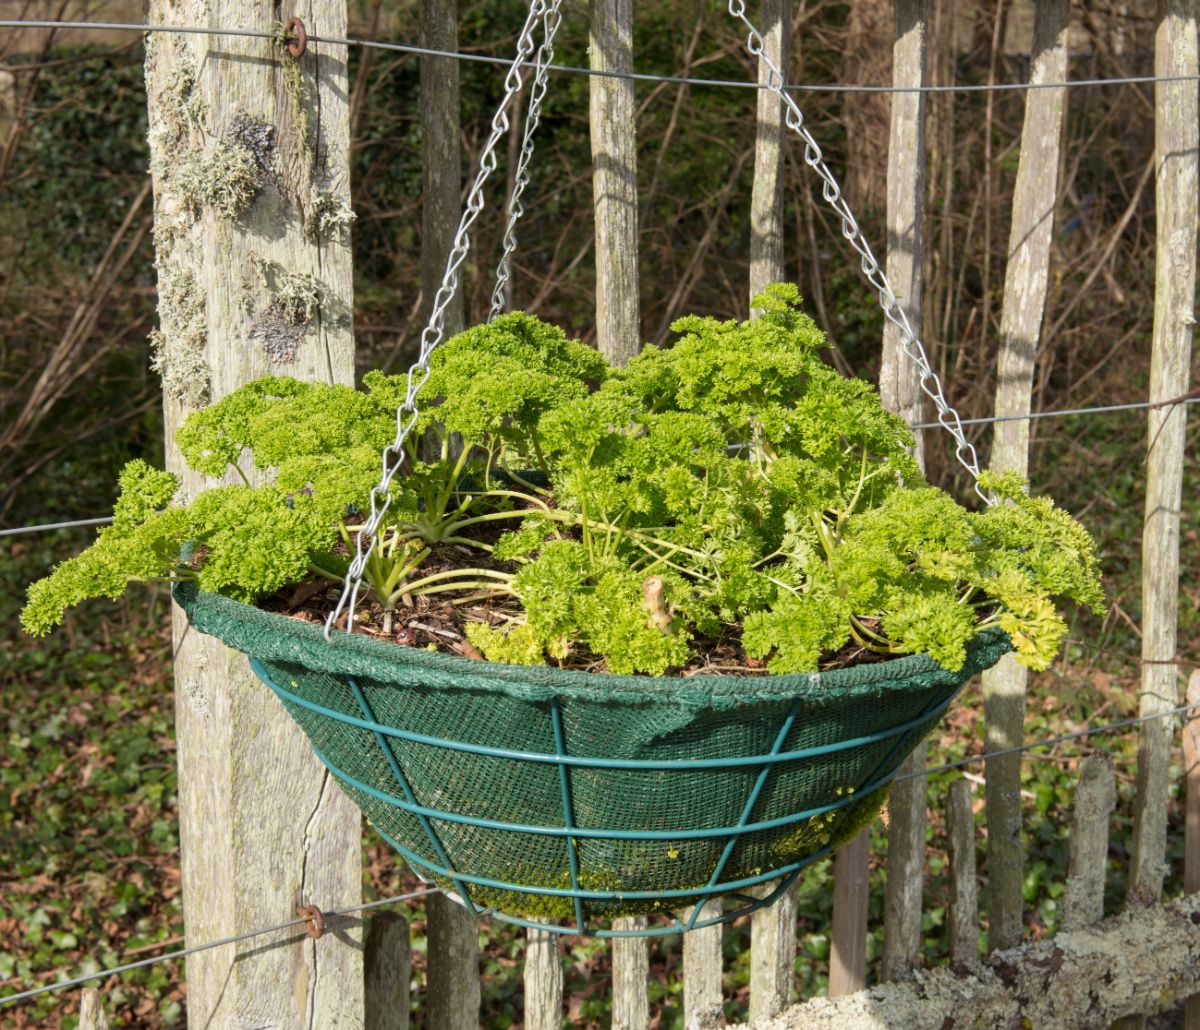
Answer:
x=679 y=80
x=183 y=952
x=46 y=527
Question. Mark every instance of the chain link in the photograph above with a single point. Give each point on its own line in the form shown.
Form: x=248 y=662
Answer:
x=418 y=374
x=545 y=55
x=931 y=385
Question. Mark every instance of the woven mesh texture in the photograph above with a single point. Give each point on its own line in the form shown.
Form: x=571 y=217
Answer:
x=639 y=719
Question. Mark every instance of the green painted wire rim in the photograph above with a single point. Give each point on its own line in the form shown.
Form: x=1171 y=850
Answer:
x=270 y=636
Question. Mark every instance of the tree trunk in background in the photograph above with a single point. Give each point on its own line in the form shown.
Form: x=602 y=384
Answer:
x=900 y=390
x=1175 y=158
x=1025 y=280
x=249 y=152
x=614 y=181
x=453 y=977
x=773 y=930
x=865 y=115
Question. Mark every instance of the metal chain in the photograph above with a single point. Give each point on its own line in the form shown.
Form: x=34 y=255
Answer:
x=406 y=415
x=537 y=92
x=931 y=385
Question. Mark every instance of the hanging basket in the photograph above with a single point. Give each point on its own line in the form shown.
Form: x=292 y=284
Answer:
x=554 y=798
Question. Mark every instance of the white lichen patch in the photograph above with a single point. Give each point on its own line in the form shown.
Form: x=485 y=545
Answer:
x=300 y=296
x=177 y=348
x=225 y=177
x=328 y=216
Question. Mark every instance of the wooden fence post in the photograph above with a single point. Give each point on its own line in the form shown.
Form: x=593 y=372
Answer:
x=1191 y=857
x=249 y=155
x=900 y=391
x=614 y=181
x=848 y=934
x=1095 y=797
x=1025 y=280
x=773 y=930
x=618 y=335
x=1175 y=145
x=453 y=979
x=1175 y=159
x=543 y=981
x=387 y=967
x=91 y=1010
x=703 y=1003
x=630 y=976
x=963 y=913
x=452 y=991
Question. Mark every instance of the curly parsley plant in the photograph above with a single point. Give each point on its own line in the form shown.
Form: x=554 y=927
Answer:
x=729 y=488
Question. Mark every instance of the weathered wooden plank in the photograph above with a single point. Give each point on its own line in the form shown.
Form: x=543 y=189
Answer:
x=900 y=390
x=773 y=957
x=766 y=193
x=387 y=967
x=1095 y=797
x=249 y=155
x=630 y=973
x=441 y=156
x=963 y=910
x=1191 y=857
x=91 y=1010
x=452 y=992
x=702 y=1000
x=618 y=336
x=453 y=936
x=543 y=981
x=848 y=934
x=614 y=181
x=1142 y=960
x=773 y=930
x=1025 y=279
x=1176 y=117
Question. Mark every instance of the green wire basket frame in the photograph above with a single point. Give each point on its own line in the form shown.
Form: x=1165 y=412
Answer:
x=559 y=800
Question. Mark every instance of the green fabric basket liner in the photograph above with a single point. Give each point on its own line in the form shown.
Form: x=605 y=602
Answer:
x=554 y=798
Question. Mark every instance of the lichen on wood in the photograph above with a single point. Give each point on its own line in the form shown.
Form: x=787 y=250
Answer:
x=1142 y=962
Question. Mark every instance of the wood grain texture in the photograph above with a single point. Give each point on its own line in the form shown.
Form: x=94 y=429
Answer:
x=766 y=193
x=262 y=827
x=91 y=1010
x=1170 y=362
x=441 y=156
x=614 y=181
x=848 y=933
x=1087 y=864
x=702 y=967
x=962 y=913
x=1175 y=187
x=1026 y=276
x=773 y=957
x=772 y=930
x=452 y=990
x=630 y=973
x=543 y=981
x=387 y=968
x=900 y=391
x=1191 y=855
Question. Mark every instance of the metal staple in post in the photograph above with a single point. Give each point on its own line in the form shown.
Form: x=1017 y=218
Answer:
x=545 y=54
x=406 y=415
x=931 y=385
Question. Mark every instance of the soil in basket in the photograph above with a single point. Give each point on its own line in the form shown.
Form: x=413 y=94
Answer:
x=438 y=623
